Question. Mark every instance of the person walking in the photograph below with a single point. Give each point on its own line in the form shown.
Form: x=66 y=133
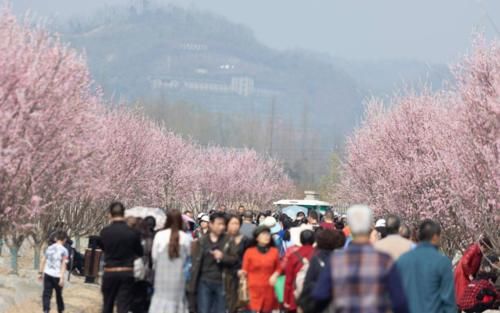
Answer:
x=144 y=276
x=313 y=219
x=121 y=246
x=326 y=241
x=260 y=262
x=297 y=260
x=171 y=248
x=202 y=230
x=52 y=270
x=233 y=252
x=247 y=226
x=393 y=244
x=469 y=264
x=405 y=232
x=427 y=274
x=379 y=231
x=328 y=220
x=360 y=278
x=241 y=210
x=206 y=289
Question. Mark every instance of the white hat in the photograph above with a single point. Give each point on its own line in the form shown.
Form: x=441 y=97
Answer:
x=380 y=223
x=205 y=218
x=271 y=223
x=359 y=219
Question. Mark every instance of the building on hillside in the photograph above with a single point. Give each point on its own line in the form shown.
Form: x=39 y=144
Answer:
x=243 y=86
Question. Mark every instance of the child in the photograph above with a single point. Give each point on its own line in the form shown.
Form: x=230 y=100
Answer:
x=52 y=271
x=480 y=294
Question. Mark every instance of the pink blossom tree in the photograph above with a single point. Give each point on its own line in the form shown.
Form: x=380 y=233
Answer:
x=477 y=152
x=47 y=110
x=434 y=155
x=233 y=177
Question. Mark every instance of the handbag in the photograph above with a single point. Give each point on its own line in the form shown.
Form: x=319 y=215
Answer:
x=243 y=296
x=139 y=269
x=279 y=288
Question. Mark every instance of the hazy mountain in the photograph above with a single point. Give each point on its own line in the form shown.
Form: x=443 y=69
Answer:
x=191 y=55
x=171 y=54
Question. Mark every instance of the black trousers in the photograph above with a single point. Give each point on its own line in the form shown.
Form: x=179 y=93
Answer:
x=50 y=283
x=117 y=288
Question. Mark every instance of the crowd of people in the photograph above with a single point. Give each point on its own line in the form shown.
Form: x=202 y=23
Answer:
x=242 y=261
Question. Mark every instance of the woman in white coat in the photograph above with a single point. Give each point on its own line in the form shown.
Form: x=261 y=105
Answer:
x=171 y=248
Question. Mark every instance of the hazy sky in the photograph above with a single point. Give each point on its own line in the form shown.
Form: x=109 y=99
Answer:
x=428 y=30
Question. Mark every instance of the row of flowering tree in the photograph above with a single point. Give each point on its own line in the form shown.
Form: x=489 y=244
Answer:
x=65 y=153
x=435 y=154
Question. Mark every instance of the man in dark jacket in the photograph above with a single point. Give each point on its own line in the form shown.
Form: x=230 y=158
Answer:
x=206 y=288
x=121 y=245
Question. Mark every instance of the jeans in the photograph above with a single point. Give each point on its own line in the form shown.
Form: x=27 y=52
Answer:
x=50 y=283
x=117 y=287
x=211 y=297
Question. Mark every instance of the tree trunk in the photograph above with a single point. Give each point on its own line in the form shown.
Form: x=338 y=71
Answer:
x=37 y=247
x=14 y=243
x=13 y=259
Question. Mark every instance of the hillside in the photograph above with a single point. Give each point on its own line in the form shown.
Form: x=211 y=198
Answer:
x=165 y=51
x=173 y=55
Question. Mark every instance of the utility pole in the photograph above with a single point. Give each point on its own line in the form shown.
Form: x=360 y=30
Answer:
x=305 y=126
x=271 y=125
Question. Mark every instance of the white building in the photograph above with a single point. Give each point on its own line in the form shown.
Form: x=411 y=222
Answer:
x=243 y=86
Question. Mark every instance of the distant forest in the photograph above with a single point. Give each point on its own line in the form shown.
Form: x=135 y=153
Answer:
x=210 y=79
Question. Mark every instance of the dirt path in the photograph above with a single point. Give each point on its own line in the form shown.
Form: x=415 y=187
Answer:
x=78 y=298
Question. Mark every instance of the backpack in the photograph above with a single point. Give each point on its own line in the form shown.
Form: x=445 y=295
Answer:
x=301 y=276
x=305 y=303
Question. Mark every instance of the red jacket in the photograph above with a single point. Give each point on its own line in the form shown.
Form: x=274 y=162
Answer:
x=468 y=265
x=259 y=268
x=292 y=268
x=330 y=226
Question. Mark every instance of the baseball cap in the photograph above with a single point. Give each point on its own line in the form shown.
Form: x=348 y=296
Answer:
x=380 y=223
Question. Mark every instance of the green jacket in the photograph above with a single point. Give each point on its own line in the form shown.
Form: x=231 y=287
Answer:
x=427 y=276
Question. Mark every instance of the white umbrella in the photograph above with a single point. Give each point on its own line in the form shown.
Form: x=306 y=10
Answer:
x=143 y=212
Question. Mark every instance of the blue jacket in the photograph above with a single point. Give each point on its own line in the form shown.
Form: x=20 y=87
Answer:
x=428 y=280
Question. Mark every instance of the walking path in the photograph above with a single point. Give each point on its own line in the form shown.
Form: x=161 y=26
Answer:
x=22 y=293
x=78 y=298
